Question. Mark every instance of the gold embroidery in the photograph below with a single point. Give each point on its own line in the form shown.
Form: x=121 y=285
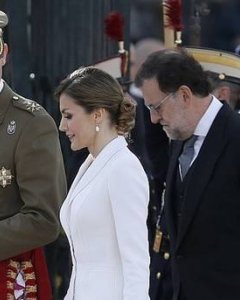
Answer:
x=31 y=289
x=26 y=267
x=29 y=276
x=9 y=285
x=10 y=297
x=27 y=264
x=11 y=274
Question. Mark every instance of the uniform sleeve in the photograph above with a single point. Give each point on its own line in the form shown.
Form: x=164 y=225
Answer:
x=129 y=195
x=40 y=179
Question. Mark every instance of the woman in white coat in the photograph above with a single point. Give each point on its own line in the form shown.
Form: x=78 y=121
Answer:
x=105 y=212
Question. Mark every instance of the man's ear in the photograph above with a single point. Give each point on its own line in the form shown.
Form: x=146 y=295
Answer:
x=186 y=93
x=4 y=54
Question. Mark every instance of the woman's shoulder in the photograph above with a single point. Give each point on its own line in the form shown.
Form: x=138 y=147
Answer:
x=126 y=159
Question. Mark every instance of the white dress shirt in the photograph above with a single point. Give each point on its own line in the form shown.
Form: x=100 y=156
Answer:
x=204 y=124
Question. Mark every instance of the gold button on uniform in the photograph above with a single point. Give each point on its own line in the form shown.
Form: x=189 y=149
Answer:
x=158 y=275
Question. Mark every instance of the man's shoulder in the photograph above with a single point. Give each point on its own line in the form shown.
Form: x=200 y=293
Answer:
x=28 y=110
x=24 y=104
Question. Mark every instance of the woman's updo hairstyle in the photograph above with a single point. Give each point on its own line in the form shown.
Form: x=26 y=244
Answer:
x=93 y=88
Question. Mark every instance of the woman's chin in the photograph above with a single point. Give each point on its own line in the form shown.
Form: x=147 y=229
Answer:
x=75 y=147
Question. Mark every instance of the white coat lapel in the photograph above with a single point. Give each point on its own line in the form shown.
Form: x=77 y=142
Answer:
x=88 y=161
x=93 y=166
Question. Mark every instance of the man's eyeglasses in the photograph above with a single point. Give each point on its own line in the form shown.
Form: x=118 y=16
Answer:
x=155 y=108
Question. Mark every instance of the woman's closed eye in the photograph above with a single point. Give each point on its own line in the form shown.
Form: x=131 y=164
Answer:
x=67 y=116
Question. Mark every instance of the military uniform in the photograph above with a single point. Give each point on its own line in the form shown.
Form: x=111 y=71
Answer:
x=32 y=187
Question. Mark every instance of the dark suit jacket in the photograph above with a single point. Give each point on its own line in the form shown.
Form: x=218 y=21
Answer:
x=206 y=247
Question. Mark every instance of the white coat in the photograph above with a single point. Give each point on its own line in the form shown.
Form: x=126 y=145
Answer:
x=104 y=217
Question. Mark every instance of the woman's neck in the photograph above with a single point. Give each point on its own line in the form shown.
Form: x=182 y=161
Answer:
x=102 y=139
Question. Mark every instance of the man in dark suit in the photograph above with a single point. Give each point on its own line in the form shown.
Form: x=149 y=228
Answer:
x=202 y=202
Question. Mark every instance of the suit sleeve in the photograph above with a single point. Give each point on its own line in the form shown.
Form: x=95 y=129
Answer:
x=40 y=179
x=129 y=195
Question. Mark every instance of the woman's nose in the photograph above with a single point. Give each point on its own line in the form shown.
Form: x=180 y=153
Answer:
x=62 y=126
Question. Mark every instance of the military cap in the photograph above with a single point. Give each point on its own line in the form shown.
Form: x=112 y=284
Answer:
x=224 y=65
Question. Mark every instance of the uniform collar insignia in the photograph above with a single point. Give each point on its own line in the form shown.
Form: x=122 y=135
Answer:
x=11 y=129
x=31 y=105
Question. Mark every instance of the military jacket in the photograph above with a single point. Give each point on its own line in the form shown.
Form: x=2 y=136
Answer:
x=32 y=176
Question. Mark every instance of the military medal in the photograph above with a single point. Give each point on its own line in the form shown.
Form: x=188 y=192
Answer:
x=5 y=177
x=157 y=240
